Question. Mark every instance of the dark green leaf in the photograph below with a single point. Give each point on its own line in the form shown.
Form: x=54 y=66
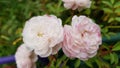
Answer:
x=98 y=63
x=88 y=63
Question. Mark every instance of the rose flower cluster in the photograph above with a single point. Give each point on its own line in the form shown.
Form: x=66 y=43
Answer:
x=45 y=36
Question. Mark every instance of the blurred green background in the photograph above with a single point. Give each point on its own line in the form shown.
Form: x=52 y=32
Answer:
x=106 y=13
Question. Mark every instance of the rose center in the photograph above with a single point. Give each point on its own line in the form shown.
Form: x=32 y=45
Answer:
x=40 y=34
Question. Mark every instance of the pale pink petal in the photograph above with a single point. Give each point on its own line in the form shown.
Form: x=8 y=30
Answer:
x=82 y=39
x=76 y=4
x=24 y=57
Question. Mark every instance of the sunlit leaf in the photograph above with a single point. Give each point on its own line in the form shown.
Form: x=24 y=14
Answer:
x=77 y=64
x=117 y=19
x=112 y=58
x=112 y=1
x=5 y=37
x=116 y=47
x=107 y=10
x=111 y=19
x=117 y=10
x=107 y=3
x=117 y=66
x=116 y=58
x=117 y=4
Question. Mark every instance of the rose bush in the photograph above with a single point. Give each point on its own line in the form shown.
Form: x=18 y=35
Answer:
x=105 y=13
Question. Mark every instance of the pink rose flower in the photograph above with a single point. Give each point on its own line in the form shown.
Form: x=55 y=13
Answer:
x=76 y=4
x=82 y=39
x=25 y=58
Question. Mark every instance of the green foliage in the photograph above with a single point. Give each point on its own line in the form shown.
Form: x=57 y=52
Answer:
x=77 y=63
x=116 y=47
x=106 y=13
x=112 y=8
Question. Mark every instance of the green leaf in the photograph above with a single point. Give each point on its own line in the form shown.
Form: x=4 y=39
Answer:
x=111 y=19
x=77 y=64
x=117 y=10
x=88 y=11
x=98 y=63
x=65 y=62
x=88 y=63
x=112 y=1
x=107 y=10
x=112 y=59
x=63 y=57
x=116 y=58
x=5 y=37
x=117 y=66
x=107 y=57
x=107 y=3
x=105 y=64
x=104 y=45
x=104 y=30
x=52 y=65
x=116 y=47
x=117 y=19
x=58 y=63
x=117 y=4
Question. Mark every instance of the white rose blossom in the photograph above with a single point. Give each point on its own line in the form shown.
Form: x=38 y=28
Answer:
x=76 y=4
x=43 y=34
x=25 y=58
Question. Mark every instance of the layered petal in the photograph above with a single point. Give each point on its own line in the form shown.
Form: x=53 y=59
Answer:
x=42 y=34
x=82 y=39
x=76 y=4
x=25 y=58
